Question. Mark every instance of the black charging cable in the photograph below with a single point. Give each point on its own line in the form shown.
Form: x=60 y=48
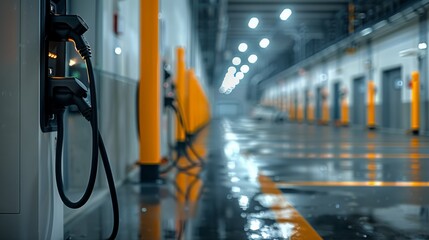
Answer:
x=70 y=91
x=188 y=140
x=169 y=103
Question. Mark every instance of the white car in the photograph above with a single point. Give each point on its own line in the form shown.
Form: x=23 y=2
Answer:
x=268 y=114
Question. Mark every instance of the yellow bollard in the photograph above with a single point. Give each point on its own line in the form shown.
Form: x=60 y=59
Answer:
x=310 y=113
x=344 y=112
x=180 y=93
x=149 y=93
x=371 y=105
x=191 y=105
x=415 y=102
x=292 y=109
x=300 y=114
x=325 y=113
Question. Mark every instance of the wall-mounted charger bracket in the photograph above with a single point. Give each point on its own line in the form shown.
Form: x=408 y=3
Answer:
x=52 y=62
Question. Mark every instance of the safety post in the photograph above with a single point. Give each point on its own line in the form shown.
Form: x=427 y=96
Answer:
x=310 y=113
x=200 y=110
x=191 y=98
x=415 y=102
x=180 y=94
x=149 y=93
x=300 y=113
x=204 y=106
x=325 y=113
x=291 y=109
x=344 y=112
x=371 y=105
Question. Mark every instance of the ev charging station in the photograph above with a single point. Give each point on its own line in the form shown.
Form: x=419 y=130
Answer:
x=34 y=94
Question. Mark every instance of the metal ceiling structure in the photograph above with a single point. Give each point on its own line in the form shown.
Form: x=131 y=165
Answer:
x=314 y=25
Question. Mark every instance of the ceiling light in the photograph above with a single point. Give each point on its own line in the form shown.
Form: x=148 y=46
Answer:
x=239 y=75
x=118 y=50
x=285 y=14
x=236 y=61
x=244 y=69
x=242 y=47
x=264 y=43
x=253 y=22
x=423 y=45
x=253 y=58
x=232 y=70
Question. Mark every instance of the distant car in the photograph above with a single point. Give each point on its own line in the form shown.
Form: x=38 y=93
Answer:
x=268 y=114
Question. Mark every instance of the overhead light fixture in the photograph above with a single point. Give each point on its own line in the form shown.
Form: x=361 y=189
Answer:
x=252 y=58
x=239 y=75
x=423 y=45
x=232 y=70
x=253 y=22
x=118 y=51
x=264 y=43
x=242 y=47
x=244 y=69
x=286 y=13
x=236 y=61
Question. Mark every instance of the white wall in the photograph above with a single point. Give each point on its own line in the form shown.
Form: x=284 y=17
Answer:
x=384 y=55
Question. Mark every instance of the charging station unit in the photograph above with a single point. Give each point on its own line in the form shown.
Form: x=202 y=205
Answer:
x=35 y=93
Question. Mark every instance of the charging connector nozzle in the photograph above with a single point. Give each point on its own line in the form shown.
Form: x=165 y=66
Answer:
x=64 y=28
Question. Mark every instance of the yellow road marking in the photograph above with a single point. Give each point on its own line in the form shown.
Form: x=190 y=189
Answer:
x=302 y=229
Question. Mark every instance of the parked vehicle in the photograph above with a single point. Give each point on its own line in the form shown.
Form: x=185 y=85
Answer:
x=266 y=113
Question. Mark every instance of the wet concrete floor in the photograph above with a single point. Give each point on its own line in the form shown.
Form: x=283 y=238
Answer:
x=279 y=181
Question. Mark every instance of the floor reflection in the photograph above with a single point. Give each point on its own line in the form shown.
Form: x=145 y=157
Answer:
x=279 y=181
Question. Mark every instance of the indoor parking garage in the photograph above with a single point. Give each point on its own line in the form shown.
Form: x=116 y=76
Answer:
x=214 y=119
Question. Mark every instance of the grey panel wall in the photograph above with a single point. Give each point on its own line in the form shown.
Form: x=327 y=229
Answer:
x=9 y=107
x=34 y=210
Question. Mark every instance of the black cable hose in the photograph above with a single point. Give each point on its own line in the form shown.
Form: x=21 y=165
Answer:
x=58 y=167
x=97 y=144
x=112 y=189
x=187 y=140
x=94 y=160
x=174 y=164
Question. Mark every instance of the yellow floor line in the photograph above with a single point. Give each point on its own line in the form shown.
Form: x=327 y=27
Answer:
x=354 y=184
x=302 y=230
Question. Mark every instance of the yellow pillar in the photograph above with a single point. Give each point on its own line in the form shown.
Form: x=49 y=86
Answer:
x=180 y=92
x=415 y=102
x=192 y=107
x=300 y=115
x=325 y=112
x=149 y=92
x=291 y=109
x=371 y=105
x=310 y=113
x=344 y=112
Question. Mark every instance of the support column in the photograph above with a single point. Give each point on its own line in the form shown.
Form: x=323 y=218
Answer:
x=149 y=93
x=415 y=103
x=344 y=112
x=181 y=95
x=371 y=105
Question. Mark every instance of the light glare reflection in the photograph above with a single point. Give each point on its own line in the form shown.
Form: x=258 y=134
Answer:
x=243 y=202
